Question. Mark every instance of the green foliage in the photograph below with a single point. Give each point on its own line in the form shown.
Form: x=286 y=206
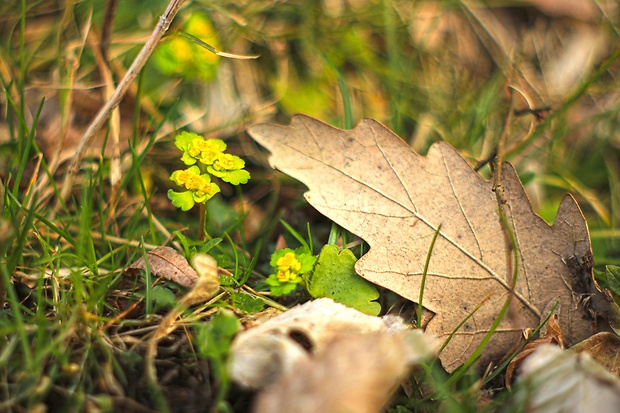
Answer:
x=191 y=247
x=246 y=303
x=213 y=338
x=229 y=168
x=334 y=277
x=213 y=341
x=611 y=279
x=289 y=266
x=197 y=182
x=177 y=55
x=162 y=298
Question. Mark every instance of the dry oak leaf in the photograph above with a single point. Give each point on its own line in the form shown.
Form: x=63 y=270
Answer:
x=370 y=182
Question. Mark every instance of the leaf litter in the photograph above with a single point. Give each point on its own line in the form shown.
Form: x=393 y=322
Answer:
x=370 y=182
x=331 y=357
x=167 y=263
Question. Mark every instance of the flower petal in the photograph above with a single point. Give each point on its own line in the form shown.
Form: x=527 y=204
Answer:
x=237 y=177
x=184 y=140
x=183 y=200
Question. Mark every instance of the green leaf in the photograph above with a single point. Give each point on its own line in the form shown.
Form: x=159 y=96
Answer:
x=183 y=200
x=612 y=279
x=240 y=176
x=278 y=289
x=213 y=339
x=179 y=55
x=207 y=246
x=307 y=260
x=334 y=277
x=183 y=141
x=247 y=303
x=162 y=297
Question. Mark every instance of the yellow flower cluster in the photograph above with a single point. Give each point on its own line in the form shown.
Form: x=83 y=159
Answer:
x=192 y=180
x=199 y=188
x=288 y=267
x=206 y=151
x=210 y=152
x=198 y=185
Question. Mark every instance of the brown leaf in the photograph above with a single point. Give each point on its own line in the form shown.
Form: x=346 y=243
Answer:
x=552 y=336
x=604 y=348
x=371 y=183
x=167 y=263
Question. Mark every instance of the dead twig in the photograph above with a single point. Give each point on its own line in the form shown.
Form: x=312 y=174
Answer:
x=164 y=23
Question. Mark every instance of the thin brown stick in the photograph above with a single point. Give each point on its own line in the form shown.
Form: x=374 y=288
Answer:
x=164 y=23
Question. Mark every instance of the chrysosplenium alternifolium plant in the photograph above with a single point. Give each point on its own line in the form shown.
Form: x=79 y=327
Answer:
x=207 y=159
x=289 y=266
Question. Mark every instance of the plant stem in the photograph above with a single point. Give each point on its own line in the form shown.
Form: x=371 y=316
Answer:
x=202 y=226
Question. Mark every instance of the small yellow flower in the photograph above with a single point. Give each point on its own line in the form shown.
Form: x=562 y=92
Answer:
x=199 y=188
x=195 y=147
x=228 y=162
x=289 y=262
x=289 y=269
x=286 y=275
x=207 y=151
x=229 y=168
x=182 y=177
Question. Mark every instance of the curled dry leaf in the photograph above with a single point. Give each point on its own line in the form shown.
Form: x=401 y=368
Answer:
x=208 y=283
x=354 y=373
x=553 y=380
x=603 y=347
x=278 y=347
x=553 y=336
x=167 y=263
x=370 y=182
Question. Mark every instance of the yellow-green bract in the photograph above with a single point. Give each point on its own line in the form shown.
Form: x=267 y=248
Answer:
x=289 y=266
x=198 y=151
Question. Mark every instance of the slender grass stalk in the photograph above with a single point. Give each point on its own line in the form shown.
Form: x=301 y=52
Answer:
x=147 y=281
x=135 y=165
x=202 y=222
x=344 y=92
x=295 y=234
x=334 y=234
x=425 y=273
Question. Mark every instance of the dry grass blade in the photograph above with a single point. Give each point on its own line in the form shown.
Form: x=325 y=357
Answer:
x=161 y=28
